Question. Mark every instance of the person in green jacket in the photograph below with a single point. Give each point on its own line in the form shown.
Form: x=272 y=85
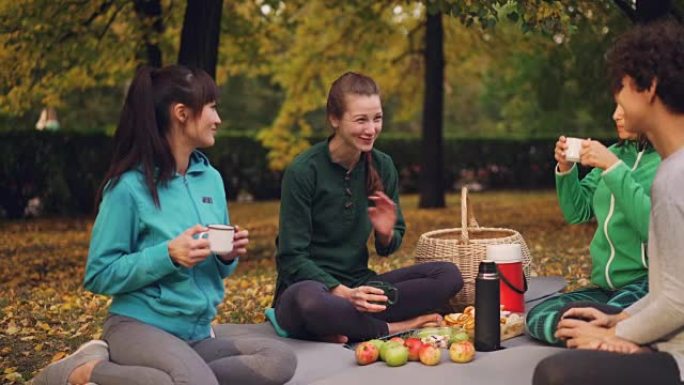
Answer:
x=617 y=193
x=148 y=250
x=334 y=196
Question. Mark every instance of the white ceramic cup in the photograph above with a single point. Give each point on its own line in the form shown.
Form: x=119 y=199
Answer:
x=572 y=154
x=504 y=253
x=221 y=238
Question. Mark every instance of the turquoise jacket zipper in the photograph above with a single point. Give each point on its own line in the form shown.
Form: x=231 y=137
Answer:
x=199 y=218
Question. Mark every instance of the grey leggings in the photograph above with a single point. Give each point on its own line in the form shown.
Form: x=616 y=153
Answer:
x=143 y=354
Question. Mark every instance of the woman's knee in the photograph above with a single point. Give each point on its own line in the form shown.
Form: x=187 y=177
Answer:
x=541 y=322
x=556 y=370
x=450 y=275
x=282 y=363
x=307 y=300
x=298 y=298
x=272 y=360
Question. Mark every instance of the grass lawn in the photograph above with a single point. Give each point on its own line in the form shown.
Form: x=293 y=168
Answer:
x=45 y=314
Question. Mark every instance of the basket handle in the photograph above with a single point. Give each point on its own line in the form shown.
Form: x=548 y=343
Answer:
x=467 y=215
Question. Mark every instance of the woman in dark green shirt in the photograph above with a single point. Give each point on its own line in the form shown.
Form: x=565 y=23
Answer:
x=333 y=196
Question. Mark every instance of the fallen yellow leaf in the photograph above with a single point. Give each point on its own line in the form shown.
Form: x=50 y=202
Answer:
x=58 y=356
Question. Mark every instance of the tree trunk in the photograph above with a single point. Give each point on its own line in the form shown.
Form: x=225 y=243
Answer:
x=432 y=167
x=200 y=35
x=150 y=13
x=646 y=11
x=651 y=10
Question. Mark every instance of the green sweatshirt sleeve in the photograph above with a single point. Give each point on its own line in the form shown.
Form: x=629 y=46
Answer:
x=392 y=187
x=295 y=230
x=634 y=202
x=113 y=266
x=575 y=196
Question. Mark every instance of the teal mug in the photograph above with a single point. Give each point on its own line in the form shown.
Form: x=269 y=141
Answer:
x=388 y=289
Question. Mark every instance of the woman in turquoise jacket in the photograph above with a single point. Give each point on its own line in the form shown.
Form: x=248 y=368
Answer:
x=617 y=194
x=148 y=252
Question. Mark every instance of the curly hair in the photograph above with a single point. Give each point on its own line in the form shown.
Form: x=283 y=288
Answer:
x=651 y=52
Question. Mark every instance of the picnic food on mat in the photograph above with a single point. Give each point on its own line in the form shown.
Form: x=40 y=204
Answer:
x=396 y=355
x=462 y=351
x=465 y=320
x=424 y=345
x=413 y=344
x=366 y=353
x=430 y=355
x=512 y=324
x=440 y=342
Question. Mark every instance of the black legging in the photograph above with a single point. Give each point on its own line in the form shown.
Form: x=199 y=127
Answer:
x=589 y=367
x=307 y=309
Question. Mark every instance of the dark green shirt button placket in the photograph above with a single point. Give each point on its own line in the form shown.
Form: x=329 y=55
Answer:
x=349 y=204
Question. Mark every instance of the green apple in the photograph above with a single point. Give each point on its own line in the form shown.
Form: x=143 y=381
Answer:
x=458 y=337
x=378 y=343
x=396 y=355
x=386 y=346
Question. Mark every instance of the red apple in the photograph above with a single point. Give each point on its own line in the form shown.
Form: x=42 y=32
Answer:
x=429 y=355
x=397 y=339
x=462 y=351
x=366 y=353
x=413 y=344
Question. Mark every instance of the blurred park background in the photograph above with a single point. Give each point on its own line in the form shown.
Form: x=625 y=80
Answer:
x=475 y=93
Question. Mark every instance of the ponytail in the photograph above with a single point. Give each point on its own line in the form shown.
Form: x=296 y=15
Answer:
x=140 y=138
x=373 y=179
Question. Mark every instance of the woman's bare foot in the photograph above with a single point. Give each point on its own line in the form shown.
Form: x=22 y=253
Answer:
x=82 y=374
x=414 y=323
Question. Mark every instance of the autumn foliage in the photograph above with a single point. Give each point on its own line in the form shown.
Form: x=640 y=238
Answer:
x=45 y=313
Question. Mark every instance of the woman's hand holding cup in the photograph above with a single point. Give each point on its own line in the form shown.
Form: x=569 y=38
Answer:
x=188 y=250
x=559 y=153
x=364 y=298
x=240 y=242
x=595 y=154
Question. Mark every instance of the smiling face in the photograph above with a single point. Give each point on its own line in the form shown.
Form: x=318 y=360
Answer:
x=200 y=131
x=360 y=123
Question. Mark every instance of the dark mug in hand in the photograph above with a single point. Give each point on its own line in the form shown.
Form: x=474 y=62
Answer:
x=388 y=289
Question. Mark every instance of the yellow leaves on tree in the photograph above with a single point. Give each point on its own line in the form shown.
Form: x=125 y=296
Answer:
x=50 y=48
x=304 y=45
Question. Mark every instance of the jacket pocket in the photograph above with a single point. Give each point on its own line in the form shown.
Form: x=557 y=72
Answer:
x=180 y=298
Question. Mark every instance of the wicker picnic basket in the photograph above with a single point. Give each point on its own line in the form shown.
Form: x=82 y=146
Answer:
x=466 y=247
